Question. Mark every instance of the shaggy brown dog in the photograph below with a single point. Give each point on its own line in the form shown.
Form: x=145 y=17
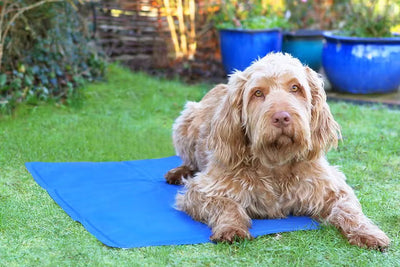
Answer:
x=256 y=148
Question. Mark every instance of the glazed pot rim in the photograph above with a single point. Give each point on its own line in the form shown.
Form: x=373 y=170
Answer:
x=304 y=33
x=250 y=30
x=335 y=36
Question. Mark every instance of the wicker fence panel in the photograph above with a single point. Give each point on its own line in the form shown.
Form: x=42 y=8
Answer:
x=129 y=32
x=136 y=33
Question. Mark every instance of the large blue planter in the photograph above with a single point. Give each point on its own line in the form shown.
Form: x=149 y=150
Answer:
x=306 y=45
x=362 y=65
x=239 y=48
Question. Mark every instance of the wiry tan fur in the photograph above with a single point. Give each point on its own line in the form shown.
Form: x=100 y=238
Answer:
x=247 y=165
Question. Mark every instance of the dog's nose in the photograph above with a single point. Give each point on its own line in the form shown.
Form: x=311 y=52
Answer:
x=281 y=119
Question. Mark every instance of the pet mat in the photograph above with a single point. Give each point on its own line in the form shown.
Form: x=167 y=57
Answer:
x=128 y=204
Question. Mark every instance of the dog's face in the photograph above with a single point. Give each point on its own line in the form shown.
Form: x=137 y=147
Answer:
x=277 y=109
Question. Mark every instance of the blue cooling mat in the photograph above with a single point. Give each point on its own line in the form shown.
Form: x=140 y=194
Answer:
x=128 y=204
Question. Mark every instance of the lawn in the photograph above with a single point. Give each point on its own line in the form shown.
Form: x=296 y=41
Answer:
x=129 y=117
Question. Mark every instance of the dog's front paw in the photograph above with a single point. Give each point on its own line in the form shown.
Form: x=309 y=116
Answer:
x=375 y=239
x=230 y=234
x=176 y=176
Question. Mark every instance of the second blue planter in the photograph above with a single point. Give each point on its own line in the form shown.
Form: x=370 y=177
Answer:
x=306 y=45
x=239 y=48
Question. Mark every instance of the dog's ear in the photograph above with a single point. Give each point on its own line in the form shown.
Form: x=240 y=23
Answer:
x=325 y=131
x=227 y=138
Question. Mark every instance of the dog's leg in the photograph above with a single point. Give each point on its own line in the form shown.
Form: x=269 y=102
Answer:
x=227 y=219
x=185 y=136
x=346 y=214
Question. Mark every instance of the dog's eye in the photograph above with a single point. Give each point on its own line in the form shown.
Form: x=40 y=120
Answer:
x=258 y=93
x=294 y=88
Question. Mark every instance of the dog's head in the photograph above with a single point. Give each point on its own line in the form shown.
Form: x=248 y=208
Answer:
x=275 y=111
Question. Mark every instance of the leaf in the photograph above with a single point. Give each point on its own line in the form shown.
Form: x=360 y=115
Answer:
x=43 y=79
x=16 y=83
x=35 y=69
x=3 y=79
x=28 y=80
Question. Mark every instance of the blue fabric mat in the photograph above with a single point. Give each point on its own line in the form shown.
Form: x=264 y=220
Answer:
x=128 y=204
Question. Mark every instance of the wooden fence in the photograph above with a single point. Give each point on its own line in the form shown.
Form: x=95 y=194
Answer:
x=138 y=34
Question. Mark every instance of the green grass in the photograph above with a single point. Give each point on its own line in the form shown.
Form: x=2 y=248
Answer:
x=130 y=117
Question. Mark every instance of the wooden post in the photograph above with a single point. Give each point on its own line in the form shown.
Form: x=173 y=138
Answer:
x=171 y=26
x=192 y=34
x=182 y=27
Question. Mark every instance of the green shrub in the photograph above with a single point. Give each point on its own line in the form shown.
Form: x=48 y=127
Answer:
x=48 y=58
x=249 y=14
x=370 y=18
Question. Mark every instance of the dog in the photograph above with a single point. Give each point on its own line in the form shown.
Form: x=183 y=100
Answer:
x=254 y=148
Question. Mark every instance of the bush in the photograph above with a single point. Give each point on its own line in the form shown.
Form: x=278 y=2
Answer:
x=48 y=55
x=249 y=14
x=370 y=18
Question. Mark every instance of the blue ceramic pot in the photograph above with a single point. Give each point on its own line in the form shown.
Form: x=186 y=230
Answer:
x=362 y=65
x=306 y=45
x=239 y=48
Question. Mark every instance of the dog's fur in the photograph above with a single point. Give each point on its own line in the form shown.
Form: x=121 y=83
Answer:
x=256 y=148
